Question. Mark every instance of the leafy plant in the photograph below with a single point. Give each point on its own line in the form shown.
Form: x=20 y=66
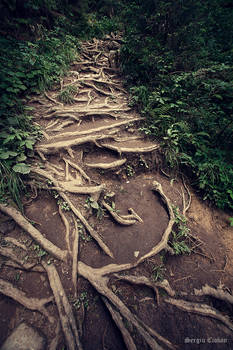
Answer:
x=158 y=273
x=180 y=234
x=67 y=94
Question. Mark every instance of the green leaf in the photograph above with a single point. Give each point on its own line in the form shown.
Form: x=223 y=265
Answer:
x=22 y=168
x=21 y=157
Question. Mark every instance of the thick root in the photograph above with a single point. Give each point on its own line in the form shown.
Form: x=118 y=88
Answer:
x=34 y=233
x=65 y=311
x=111 y=165
x=34 y=304
x=99 y=282
x=142 y=280
x=75 y=257
x=121 y=150
x=218 y=293
x=67 y=227
x=128 y=340
x=77 y=167
x=200 y=309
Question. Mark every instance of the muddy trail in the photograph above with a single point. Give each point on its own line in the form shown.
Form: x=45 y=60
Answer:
x=111 y=252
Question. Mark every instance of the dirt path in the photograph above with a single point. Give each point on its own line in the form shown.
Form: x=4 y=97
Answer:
x=94 y=262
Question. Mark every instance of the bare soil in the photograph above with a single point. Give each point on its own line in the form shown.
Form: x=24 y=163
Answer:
x=110 y=251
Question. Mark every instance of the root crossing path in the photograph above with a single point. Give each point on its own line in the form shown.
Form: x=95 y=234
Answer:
x=97 y=212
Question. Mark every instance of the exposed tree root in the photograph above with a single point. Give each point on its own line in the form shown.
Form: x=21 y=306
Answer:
x=65 y=311
x=55 y=146
x=52 y=99
x=16 y=243
x=99 y=282
x=130 y=149
x=93 y=130
x=67 y=227
x=142 y=280
x=128 y=340
x=163 y=244
x=75 y=257
x=35 y=304
x=34 y=233
x=218 y=293
x=17 y=262
x=76 y=212
x=94 y=87
x=73 y=187
x=54 y=343
x=111 y=165
x=77 y=167
x=201 y=309
x=119 y=219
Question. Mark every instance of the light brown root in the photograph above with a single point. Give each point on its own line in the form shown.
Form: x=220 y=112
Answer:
x=76 y=212
x=65 y=311
x=50 y=148
x=128 y=340
x=73 y=187
x=94 y=87
x=33 y=232
x=111 y=165
x=135 y=215
x=16 y=261
x=130 y=149
x=99 y=282
x=52 y=99
x=67 y=227
x=77 y=167
x=142 y=280
x=217 y=293
x=94 y=130
x=54 y=343
x=62 y=126
x=75 y=256
x=200 y=309
x=119 y=219
x=163 y=244
x=70 y=152
x=35 y=304
x=186 y=207
x=52 y=124
x=16 y=243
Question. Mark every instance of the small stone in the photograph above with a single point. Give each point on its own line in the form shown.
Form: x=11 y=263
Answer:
x=136 y=253
x=24 y=337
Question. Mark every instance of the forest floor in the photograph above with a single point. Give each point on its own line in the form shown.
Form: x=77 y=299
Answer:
x=92 y=264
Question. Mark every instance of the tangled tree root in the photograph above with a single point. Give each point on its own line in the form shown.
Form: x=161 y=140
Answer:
x=93 y=130
x=121 y=150
x=105 y=166
x=34 y=233
x=142 y=280
x=34 y=304
x=99 y=281
x=17 y=262
x=65 y=311
x=76 y=212
x=116 y=316
x=201 y=309
x=217 y=293
x=122 y=219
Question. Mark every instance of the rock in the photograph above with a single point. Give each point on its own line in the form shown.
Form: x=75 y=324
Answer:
x=24 y=337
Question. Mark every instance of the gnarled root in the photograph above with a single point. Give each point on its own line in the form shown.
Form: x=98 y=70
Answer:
x=76 y=212
x=65 y=311
x=111 y=165
x=116 y=316
x=34 y=233
x=119 y=219
x=99 y=281
x=142 y=280
x=201 y=309
x=218 y=293
x=35 y=304
x=121 y=150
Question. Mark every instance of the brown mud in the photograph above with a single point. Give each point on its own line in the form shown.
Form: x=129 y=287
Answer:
x=111 y=278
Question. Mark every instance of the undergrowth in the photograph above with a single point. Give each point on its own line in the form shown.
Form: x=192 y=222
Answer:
x=177 y=60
